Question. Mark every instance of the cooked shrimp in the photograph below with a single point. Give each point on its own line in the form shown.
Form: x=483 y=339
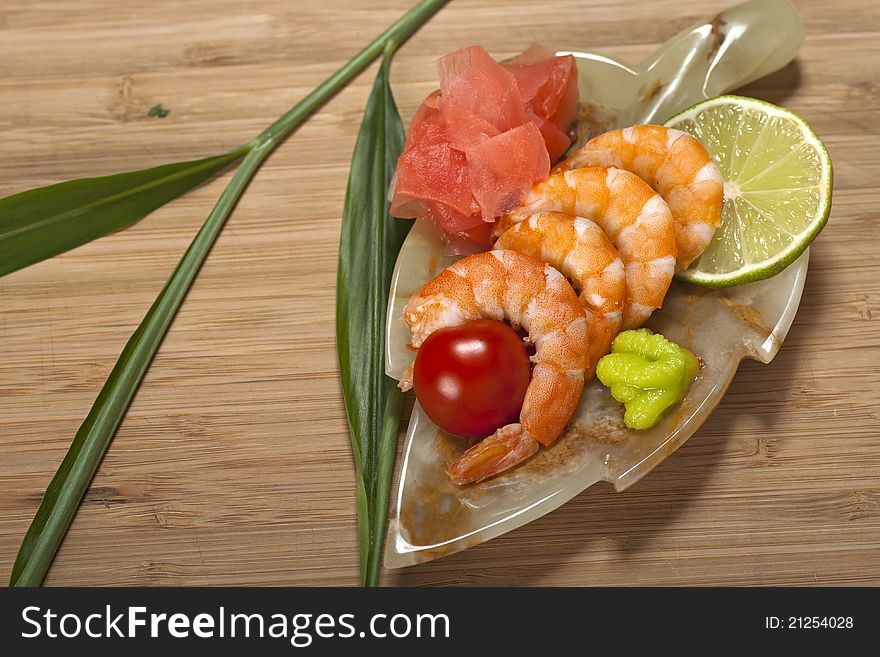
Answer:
x=636 y=218
x=673 y=163
x=529 y=294
x=582 y=252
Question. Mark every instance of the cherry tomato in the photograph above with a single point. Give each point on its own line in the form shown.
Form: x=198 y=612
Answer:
x=472 y=379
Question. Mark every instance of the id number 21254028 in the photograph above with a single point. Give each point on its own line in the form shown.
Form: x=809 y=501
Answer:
x=808 y=622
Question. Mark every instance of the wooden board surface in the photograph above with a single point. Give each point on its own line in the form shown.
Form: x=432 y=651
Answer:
x=233 y=465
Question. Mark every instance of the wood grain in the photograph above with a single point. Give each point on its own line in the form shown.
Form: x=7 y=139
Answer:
x=233 y=465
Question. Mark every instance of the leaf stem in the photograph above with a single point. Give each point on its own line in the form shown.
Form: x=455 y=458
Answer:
x=391 y=38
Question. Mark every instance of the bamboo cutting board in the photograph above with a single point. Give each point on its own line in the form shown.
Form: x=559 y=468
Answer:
x=233 y=465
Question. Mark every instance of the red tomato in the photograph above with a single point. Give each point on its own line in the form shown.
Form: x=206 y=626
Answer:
x=472 y=379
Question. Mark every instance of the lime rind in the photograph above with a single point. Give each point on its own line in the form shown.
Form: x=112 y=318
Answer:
x=799 y=181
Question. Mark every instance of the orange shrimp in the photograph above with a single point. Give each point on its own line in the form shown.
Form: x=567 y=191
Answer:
x=529 y=294
x=582 y=252
x=635 y=218
x=674 y=164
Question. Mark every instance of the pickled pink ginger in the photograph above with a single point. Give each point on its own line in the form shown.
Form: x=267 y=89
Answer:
x=479 y=143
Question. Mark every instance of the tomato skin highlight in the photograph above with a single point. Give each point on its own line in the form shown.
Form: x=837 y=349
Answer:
x=471 y=380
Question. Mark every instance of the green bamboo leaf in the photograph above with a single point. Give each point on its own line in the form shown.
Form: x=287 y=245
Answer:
x=70 y=482
x=368 y=245
x=41 y=223
x=65 y=491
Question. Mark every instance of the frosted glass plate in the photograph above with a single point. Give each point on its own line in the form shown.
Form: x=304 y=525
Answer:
x=431 y=516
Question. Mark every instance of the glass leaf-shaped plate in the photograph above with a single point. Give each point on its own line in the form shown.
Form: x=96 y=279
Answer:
x=433 y=517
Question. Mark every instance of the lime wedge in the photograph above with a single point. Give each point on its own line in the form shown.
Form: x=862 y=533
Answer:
x=777 y=188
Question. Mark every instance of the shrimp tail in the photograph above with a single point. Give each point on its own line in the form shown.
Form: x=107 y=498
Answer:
x=406 y=379
x=507 y=447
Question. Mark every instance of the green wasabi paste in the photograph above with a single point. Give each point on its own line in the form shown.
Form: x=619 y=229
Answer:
x=647 y=373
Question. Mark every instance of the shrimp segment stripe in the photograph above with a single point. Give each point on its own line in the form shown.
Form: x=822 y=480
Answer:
x=580 y=250
x=528 y=293
x=673 y=163
x=637 y=220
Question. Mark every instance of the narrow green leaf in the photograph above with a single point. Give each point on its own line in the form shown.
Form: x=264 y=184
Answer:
x=41 y=223
x=70 y=482
x=369 y=242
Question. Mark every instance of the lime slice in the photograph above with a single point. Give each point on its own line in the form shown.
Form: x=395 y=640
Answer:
x=777 y=188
